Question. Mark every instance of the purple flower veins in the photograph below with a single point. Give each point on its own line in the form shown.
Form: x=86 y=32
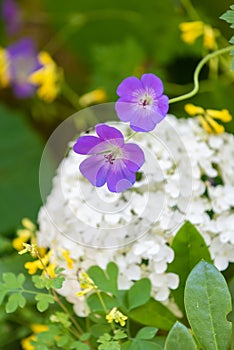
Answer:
x=111 y=161
x=141 y=102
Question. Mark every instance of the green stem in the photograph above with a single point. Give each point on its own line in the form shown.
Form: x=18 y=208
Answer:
x=71 y=96
x=190 y=9
x=104 y=307
x=130 y=136
x=197 y=72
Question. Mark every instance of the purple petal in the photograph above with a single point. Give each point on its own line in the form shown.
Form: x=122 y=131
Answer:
x=142 y=121
x=163 y=104
x=127 y=86
x=122 y=110
x=87 y=145
x=120 y=178
x=12 y=16
x=23 y=90
x=151 y=81
x=109 y=133
x=95 y=169
x=133 y=157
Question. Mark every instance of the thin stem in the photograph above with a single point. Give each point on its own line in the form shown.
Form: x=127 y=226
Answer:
x=190 y=9
x=130 y=136
x=71 y=96
x=104 y=307
x=197 y=72
x=57 y=299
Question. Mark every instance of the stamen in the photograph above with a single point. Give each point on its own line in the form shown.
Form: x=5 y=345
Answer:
x=109 y=158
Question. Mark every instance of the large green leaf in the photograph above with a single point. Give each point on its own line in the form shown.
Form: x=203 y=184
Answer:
x=179 y=338
x=207 y=304
x=105 y=280
x=20 y=153
x=153 y=314
x=189 y=247
x=139 y=293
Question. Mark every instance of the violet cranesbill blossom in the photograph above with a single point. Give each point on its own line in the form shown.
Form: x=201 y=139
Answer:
x=141 y=102
x=111 y=161
x=12 y=16
x=23 y=61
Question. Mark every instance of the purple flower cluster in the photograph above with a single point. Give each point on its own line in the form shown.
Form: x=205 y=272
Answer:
x=23 y=61
x=110 y=160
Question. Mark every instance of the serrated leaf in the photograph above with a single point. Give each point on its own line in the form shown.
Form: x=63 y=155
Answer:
x=57 y=282
x=139 y=293
x=189 y=248
x=11 y=281
x=153 y=314
x=146 y=333
x=207 y=304
x=43 y=301
x=119 y=334
x=15 y=300
x=39 y=281
x=179 y=338
x=105 y=280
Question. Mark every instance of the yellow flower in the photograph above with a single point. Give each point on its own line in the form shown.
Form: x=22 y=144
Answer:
x=28 y=232
x=86 y=283
x=33 y=266
x=206 y=117
x=69 y=261
x=117 y=316
x=4 y=68
x=192 y=30
x=48 y=78
x=36 y=328
x=29 y=248
x=95 y=96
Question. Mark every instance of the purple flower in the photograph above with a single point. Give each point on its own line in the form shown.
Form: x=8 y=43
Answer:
x=111 y=161
x=12 y=16
x=23 y=61
x=141 y=102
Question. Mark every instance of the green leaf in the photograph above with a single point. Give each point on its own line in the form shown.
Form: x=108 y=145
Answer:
x=12 y=281
x=138 y=344
x=20 y=154
x=179 y=338
x=99 y=329
x=63 y=340
x=15 y=300
x=40 y=282
x=189 y=248
x=139 y=293
x=78 y=345
x=94 y=303
x=43 y=301
x=105 y=280
x=146 y=333
x=119 y=334
x=228 y=16
x=153 y=314
x=207 y=304
x=3 y=292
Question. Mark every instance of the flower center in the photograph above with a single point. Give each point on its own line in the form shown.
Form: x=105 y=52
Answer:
x=109 y=158
x=146 y=100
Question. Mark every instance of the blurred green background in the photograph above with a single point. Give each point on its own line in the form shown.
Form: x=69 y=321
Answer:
x=97 y=43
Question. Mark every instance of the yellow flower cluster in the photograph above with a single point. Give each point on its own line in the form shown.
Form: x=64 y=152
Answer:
x=48 y=78
x=93 y=97
x=36 y=328
x=86 y=283
x=192 y=30
x=24 y=235
x=4 y=68
x=116 y=316
x=206 y=118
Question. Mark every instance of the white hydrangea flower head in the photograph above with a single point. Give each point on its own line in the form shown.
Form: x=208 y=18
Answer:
x=187 y=176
